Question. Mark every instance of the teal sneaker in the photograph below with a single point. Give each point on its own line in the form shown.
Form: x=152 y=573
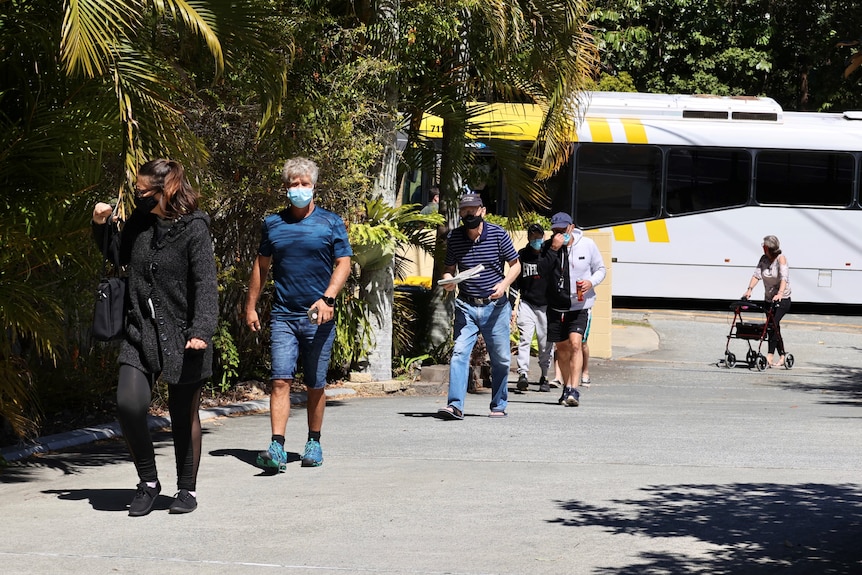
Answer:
x=313 y=456
x=273 y=458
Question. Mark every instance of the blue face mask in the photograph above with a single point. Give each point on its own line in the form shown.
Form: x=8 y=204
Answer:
x=299 y=197
x=536 y=244
x=566 y=238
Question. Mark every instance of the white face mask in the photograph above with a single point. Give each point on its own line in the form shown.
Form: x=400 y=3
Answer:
x=299 y=197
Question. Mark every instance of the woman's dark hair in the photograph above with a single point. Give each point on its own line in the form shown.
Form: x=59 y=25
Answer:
x=169 y=177
x=536 y=229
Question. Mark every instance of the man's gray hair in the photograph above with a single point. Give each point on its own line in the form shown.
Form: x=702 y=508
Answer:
x=772 y=243
x=298 y=167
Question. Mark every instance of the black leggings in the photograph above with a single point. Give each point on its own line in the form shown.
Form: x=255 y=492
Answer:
x=775 y=339
x=134 y=393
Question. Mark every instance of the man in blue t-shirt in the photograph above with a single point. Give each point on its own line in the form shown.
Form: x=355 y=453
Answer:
x=309 y=253
x=482 y=305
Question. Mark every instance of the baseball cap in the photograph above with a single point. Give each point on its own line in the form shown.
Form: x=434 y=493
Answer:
x=560 y=220
x=470 y=201
x=535 y=229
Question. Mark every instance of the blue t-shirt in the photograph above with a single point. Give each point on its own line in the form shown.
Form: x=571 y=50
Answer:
x=303 y=256
x=493 y=248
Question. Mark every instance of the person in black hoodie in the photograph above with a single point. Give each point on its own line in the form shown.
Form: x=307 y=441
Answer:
x=171 y=315
x=573 y=266
x=532 y=318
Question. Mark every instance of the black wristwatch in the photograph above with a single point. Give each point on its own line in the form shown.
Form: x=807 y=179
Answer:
x=330 y=301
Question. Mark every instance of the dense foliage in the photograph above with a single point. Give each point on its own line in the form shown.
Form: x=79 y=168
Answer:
x=90 y=88
x=785 y=50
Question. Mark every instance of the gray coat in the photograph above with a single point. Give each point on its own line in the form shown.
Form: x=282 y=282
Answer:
x=176 y=271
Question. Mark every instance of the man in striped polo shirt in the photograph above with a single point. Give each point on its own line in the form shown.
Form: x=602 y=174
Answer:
x=482 y=305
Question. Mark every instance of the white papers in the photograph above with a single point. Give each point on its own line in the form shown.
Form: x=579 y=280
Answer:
x=466 y=274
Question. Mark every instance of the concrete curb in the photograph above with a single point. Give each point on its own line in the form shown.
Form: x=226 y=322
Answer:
x=633 y=340
x=112 y=430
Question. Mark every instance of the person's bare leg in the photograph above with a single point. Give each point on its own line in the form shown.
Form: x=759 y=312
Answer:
x=558 y=374
x=585 y=372
x=279 y=405
x=564 y=363
x=576 y=360
x=313 y=455
x=275 y=456
x=316 y=407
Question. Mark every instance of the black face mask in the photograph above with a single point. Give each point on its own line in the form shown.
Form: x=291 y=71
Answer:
x=472 y=221
x=146 y=204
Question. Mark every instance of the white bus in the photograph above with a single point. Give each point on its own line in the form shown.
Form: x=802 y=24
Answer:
x=689 y=186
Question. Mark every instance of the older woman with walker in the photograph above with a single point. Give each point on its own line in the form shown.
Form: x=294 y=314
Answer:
x=772 y=269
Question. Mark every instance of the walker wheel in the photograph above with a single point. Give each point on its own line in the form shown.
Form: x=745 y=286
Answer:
x=760 y=364
x=729 y=360
x=788 y=361
x=750 y=357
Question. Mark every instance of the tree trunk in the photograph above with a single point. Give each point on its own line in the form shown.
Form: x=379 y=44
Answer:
x=451 y=162
x=377 y=286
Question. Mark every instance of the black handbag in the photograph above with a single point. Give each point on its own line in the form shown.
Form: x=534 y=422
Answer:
x=109 y=309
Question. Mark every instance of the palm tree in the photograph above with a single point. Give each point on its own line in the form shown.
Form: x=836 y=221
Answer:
x=538 y=52
x=93 y=88
x=117 y=42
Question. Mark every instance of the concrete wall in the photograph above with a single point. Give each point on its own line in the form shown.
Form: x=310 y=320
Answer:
x=600 y=332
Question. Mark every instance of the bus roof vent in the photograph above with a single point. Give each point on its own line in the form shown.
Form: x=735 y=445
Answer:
x=685 y=106
x=705 y=114
x=760 y=116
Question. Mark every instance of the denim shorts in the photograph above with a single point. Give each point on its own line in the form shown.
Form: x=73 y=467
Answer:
x=295 y=339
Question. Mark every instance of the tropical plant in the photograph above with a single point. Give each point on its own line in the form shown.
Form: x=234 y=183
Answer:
x=92 y=88
x=375 y=240
x=128 y=46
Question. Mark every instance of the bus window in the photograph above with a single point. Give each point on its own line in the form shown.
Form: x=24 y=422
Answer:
x=804 y=178
x=616 y=183
x=702 y=179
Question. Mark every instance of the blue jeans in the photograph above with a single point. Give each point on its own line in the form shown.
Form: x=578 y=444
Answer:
x=294 y=338
x=492 y=321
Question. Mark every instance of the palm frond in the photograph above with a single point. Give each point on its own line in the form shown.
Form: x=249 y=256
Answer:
x=91 y=29
x=197 y=17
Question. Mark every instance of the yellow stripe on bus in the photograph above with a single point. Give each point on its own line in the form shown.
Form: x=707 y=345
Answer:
x=657 y=231
x=635 y=131
x=600 y=130
x=624 y=233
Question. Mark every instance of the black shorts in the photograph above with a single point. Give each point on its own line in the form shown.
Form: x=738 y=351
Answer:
x=562 y=323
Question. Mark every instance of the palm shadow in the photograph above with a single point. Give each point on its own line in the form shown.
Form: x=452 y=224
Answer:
x=838 y=385
x=71 y=460
x=752 y=528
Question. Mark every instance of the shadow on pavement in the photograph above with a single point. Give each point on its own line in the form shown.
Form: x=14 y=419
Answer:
x=761 y=527
x=249 y=457
x=108 y=499
x=841 y=386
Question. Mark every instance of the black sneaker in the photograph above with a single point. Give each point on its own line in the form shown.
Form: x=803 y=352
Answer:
x=184 y=502
x=544 y=386
x=144 y=498
x=572 y=397
x=523 y=384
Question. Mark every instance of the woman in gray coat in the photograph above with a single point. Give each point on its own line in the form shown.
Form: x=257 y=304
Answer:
x=171 y=317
